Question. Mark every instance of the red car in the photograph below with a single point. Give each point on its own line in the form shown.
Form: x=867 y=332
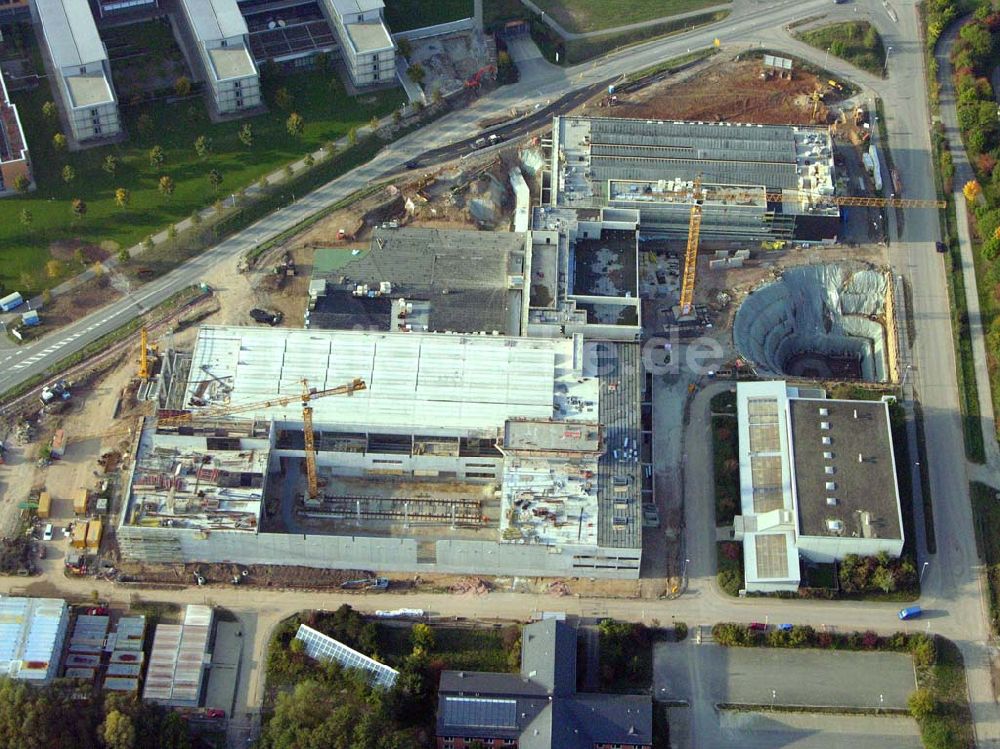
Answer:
x=757 y=627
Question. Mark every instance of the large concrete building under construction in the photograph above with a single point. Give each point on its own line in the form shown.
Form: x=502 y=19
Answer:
x=464 y=453
x=652 y=166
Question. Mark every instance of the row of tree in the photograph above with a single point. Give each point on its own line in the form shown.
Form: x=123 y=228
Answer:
x=66 y=716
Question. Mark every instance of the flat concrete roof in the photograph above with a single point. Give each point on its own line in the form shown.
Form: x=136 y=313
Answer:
x=70 y=32
x=859 y=476
x=231 y=62
x=89 y=90
x=552 y=436
x=369 y=36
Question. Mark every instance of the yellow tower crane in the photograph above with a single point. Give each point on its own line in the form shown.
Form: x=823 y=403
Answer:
x=143 y=354
x=307 y=395
x=736 y=197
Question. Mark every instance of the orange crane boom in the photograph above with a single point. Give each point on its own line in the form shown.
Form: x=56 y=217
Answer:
x=737 y=196
x=691 y=253
x=307 y=395
x=221 y=411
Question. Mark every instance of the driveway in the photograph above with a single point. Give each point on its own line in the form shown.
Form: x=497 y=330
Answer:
x=530 y=64
x=712 y=674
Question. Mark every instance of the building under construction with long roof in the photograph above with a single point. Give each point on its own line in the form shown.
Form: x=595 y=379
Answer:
x=464 y=453
x=652 y=166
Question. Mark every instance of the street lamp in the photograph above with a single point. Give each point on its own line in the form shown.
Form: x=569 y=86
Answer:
x=885 y=67
x=923 y=569
x=684 y=572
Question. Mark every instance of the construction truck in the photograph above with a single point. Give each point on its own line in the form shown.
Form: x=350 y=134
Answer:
x=266 y=316
x=56 y=391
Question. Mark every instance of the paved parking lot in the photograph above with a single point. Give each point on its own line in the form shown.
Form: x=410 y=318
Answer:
x=763 y=676
x=762 y=730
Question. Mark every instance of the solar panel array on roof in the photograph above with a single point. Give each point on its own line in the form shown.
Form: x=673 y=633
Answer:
x=479 y=712
x=324 y=648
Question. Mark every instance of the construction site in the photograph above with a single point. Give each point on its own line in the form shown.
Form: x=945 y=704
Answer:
x=447 y=376
x=449 y=453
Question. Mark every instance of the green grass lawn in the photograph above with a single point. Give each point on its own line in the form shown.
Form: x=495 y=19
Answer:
x=403 y=15
x=458 y=648
x=986 y=517
x=593 y=15
x=318 y=97
x=855 y=41
x=950 y=727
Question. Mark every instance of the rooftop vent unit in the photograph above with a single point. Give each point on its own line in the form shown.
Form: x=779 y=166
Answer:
x=835 y=526
x=824 y=425
x=828 y=455
x=831 y=501
x=828 y=470
x=824 y=412
x=827 y=441
x=830 y=486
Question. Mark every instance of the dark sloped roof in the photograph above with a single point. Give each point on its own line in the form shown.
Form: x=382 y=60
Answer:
x=548 y=656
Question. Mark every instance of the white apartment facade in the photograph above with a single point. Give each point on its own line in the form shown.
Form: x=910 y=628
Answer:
x=83 y=72
x=220 y=34
x=367 y=47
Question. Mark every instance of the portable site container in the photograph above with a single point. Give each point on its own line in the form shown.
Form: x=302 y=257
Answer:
x=79 y=540
x=11 y=301
x=94 y=530
x=80 y=502
x=58 y=444
x=44 y=505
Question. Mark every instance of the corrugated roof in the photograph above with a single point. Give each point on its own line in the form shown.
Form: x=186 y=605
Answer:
x=31 y=634
x=214 y=19
x=70 y=32
x=344 y=7
x=460 y=382
x=177 y=662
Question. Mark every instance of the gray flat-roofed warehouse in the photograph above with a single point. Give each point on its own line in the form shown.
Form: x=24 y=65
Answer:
x=853 y=492
x=817 y=482
x=652 y=165
x=456 y=281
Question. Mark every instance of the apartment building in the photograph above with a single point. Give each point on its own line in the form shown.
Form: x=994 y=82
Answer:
x=220 y=34
x=83 y=73
x=366 y=45
x=13 y=148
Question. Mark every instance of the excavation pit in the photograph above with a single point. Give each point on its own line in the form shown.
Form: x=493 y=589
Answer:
x=830 y=322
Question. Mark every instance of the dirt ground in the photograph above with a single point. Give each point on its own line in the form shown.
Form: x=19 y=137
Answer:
x=87 y=297
x=727 y=91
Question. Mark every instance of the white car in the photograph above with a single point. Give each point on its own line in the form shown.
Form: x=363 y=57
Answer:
x=47 y=535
